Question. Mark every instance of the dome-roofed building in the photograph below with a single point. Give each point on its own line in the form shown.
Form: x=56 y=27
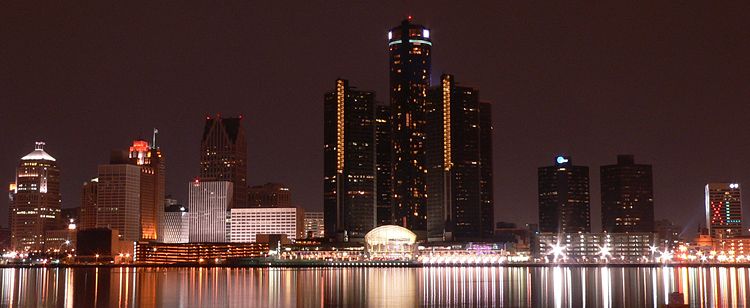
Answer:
x=390 y=242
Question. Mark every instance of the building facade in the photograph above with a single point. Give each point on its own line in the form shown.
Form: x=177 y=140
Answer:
x=723 y=209
x=314 y=226
x=269 y=195
x=247 y=223
x=627 y=192
x=383 y=166
x=224 y=155
x=35 y=200
x=455 y=206
x=590 y=246
x=349 y=199
x=118 y=199
x=175 y=226
x=208 y=206
x=410 y=57
x=487 y=182
x=564 y=197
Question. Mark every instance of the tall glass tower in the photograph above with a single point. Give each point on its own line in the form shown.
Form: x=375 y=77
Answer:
x=410 y=49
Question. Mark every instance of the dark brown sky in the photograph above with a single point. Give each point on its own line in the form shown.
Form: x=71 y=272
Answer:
x=668 y=82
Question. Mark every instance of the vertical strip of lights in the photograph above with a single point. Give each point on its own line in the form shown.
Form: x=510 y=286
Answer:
x=340 y=126
x=447 y=164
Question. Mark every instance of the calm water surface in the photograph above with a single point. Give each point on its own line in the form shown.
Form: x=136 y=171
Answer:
x=374 y=287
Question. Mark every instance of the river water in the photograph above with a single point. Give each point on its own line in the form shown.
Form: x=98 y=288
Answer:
x=373 y=287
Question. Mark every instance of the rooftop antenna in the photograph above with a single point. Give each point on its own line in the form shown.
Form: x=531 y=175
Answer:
x=153 y=141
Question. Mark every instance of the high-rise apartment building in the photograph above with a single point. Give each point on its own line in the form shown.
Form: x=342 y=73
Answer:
x=175 y=226
x=383 y=166
x=564 y=197
x=410 y=47
x=627 y=192
x=224 y=155
x=209 y=203
x=723 y=209
x=35 y=200
x=269 y=195
x=455 y=206
x=247 y=223
x=349 y=199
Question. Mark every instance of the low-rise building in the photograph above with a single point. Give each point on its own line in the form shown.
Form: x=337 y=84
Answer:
x=246 y=223
x=164 y=253
x=581 y=246
x=314 y=226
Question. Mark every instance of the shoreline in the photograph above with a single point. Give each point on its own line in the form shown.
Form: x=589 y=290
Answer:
x=368 y=264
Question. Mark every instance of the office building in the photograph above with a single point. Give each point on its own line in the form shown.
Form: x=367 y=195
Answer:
x=627 y=192
x=35 y=200
x=349 y=162
x=247 y=223
x=149 y=158
x=383 y=166
x=269 y=195
x=224 y=155
x=487 y=195
x=314 y=227
x=723 y=209
x=564 y=197
x=118 y=198
x=410 y=57
x=208 y=206
x=455 y=203
x=175 y=226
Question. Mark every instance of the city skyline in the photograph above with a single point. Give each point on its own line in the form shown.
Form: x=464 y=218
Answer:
x=673 y=135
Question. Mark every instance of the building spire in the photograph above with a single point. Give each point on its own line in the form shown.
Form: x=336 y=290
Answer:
x=153 y=141
x=39 y=145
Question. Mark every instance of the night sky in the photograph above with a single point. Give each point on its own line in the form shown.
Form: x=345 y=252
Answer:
x=668 y=82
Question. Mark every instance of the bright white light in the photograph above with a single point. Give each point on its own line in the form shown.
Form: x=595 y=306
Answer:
x=558 y=251
x=652 y=249
x=390 y=35
x=561 y=160
x=734 y=185
x=426 y=33
x=604 y=251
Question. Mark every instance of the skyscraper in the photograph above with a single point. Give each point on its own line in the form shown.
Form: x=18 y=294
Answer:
x=118 y=198
x=627 y=196
x=487 y=194
x=224 y=155
x=208 y=208
x=149 y=158
x=36 y=204
x=723 y=209
x=349 y=162
x=455 y=206
x=269 y=195
x=564 y=197
x=383 y=147
x=410 y=47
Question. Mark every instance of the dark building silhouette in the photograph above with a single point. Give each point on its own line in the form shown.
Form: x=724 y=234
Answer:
x=627 y=192
x=409 y=48
x=564 y=197
x=383 y=147
x=88 y=204
x=487 y=194
x=454 y=147
x=224 y=155
x=349 y=199
x=269 y=195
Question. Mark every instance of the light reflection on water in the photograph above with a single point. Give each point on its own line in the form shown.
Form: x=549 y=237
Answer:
x=375 y=287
